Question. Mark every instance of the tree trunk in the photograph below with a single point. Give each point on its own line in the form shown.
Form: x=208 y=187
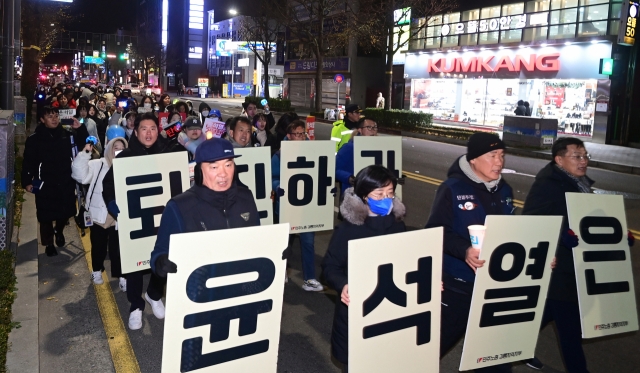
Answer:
x=318 y=98
x=388 y=76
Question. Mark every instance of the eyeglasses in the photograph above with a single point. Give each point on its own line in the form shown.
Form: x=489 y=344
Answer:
x=371 y=128
x=379 y=196
x=297 y=134
x=580 y=158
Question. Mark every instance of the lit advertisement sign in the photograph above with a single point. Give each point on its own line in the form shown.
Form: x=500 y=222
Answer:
x=225 y=47
x=628 y=19
x=196 y=14
x=95 y=60
x=576 y=61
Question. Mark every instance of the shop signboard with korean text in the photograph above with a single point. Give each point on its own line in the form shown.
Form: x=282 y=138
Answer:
x=628 y=22
x=394 y=307
x=254 y=172
x=510 y=289
x=143 y=186
x=603 y=266
x=378 y=150
x=335 y=64
x=307 y=170
x=224 y=306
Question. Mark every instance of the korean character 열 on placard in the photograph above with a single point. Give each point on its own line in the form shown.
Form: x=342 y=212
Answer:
x=535 y=270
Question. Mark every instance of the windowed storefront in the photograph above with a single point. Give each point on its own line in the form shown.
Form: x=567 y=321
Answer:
x=520 y=22
x=481 y=87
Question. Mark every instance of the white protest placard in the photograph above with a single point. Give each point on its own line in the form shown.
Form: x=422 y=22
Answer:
x=143 y=186
x=307 y=170
x=394 y=302
x=254 y=171
x=378 y=150
x=66 y=113
x=224 y=306
x=603 y=266
x=510 y=290
x=214 y=127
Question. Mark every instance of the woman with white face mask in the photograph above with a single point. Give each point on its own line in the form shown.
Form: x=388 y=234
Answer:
x=146 y=106
x=103 y=226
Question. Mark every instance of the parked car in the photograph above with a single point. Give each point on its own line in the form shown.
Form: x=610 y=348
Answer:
x=135 y=88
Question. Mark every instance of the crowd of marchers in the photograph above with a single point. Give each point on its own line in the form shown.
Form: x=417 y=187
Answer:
x=69 y=164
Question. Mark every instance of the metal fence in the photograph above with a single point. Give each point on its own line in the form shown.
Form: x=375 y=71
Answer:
x=7 y=161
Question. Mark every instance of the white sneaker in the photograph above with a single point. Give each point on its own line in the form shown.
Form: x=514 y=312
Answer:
x=312 y=285
x=96 y=277
x=156 y=305
x=135 y=319
x=123 y=284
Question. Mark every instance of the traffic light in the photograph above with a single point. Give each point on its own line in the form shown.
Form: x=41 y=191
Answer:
x=103 y=55
x=122 y=56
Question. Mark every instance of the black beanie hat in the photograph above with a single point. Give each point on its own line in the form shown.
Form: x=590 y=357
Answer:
x=481 y=143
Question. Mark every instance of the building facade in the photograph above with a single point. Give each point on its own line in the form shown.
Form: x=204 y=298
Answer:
x=562 y=56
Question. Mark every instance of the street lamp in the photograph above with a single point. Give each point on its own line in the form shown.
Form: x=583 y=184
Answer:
x=233 y=12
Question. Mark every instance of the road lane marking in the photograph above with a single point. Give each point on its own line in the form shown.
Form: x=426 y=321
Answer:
x=430 y=180
x=124 y=359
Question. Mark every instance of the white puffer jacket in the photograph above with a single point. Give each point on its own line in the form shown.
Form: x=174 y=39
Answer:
x=87 y=171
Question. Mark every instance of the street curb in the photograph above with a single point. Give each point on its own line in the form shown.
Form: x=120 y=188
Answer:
x=539 y=154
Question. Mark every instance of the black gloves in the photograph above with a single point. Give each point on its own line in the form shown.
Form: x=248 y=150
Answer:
x=164 y=266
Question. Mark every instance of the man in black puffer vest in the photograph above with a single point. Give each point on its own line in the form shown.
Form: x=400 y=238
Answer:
x=216 y=201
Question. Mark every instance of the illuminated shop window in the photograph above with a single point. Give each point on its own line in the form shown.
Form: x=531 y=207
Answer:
x=512 y=9
x=594 y=13
x=562 y=32
x=471 y=15
x=490 y=12
x=563 y=16
x=537 y=6
x=535 y=34
x=561 y=4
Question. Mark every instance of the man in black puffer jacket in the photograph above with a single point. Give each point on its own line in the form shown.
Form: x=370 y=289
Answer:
x=46 y=172
x=214 y=202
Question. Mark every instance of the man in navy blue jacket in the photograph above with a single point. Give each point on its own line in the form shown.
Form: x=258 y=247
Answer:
x=216 y=201
x=473 y=190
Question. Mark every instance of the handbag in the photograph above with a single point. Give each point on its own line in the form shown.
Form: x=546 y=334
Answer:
x=80 y=221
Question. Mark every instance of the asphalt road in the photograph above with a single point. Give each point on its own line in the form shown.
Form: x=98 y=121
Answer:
x=307 y=317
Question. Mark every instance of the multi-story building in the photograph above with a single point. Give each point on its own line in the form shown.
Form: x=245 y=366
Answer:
x=568 y=58
x=174 y=33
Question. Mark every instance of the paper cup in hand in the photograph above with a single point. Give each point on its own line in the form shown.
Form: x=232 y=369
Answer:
x=476 y=232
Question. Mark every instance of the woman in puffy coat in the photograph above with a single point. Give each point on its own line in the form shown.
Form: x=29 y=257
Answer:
x=103 y=231
x=369 y=209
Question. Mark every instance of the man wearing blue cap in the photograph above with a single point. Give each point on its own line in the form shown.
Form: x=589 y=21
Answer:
x=216 y=201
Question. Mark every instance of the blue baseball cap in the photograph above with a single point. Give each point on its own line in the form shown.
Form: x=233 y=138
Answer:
x=213 y=150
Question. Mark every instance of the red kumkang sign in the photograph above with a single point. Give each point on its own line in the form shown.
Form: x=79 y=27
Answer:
x=532 y=62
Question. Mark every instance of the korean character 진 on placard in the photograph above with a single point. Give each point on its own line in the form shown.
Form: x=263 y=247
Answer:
x=254 y=173
x=224 y=307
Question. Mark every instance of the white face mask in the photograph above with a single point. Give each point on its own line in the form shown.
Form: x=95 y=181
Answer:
x=147 y=105
x=115 y=153
x=205 y=113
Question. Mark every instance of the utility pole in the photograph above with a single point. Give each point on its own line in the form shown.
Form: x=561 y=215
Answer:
x=6 y=81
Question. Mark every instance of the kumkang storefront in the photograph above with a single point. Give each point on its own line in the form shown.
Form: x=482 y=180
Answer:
x=480 y=87
x=474 y=66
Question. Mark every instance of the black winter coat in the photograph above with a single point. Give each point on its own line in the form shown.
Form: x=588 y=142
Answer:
x=271 y=141
x=547 y=197
x=202 y=209
x=520 y=110
x=357 y=224
x=48 y=157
